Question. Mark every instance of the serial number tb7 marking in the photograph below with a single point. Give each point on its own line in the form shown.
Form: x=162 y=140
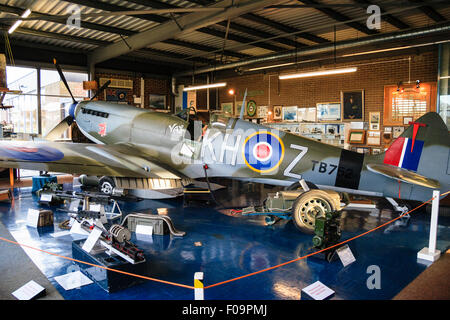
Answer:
x=323 y=167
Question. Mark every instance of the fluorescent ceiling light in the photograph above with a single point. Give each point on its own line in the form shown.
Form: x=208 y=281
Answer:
x=317 y=73
x=18 y=22
x=206 y=86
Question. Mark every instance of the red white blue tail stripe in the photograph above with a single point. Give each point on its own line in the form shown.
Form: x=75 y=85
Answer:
x=402 y=154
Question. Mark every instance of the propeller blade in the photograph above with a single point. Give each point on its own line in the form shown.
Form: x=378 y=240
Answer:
x=63 y=78
x=103 y=87
x=59 y=129
x=241 y=116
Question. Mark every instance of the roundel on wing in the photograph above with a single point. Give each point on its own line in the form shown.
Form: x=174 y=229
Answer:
x=263 y=151
x=38 y=154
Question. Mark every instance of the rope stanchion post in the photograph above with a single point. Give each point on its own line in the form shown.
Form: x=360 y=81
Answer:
x=430 y=253
x=199 y=292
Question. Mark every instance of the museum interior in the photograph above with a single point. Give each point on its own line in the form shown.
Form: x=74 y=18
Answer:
x=225 y=150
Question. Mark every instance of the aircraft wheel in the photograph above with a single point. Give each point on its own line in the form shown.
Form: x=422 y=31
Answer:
x=106 y=185
x=309 y=206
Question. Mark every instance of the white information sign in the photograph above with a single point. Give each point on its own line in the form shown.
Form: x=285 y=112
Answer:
x=92 y=239
x=318 y=291
x=346 y=255
x=28 y=291
x=33 y=218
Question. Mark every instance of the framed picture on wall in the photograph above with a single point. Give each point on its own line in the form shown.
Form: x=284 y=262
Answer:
x=328 y=111
x=356 y=136
x=352 y=103
x=374 y=120
x=276 y=112
x=289 y=113
x=262 y=112
x=306 y=114
x=397 y=131
x=407 y=120
x=373 y=138
x=227 y=107
x=157 y=101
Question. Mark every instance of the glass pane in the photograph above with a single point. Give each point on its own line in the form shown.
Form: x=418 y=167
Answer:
x=51 y=83
x=53 y=110
x=23 y=79
x=23 y=116
x=444 y=83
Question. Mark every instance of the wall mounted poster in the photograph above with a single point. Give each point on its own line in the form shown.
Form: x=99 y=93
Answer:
x=306 y=114
x=352 y=105
x=289 y=113
x=262 y=112
x=227 y=107
x=374 y=120
x=276 y=112
x=192 y=99
x=328 y=111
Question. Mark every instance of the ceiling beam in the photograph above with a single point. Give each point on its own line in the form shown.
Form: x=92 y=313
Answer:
x=429 y=11
x=282 y=27
x=261 y=34
x=201 y=47
x=184 y=25
x=342 y=18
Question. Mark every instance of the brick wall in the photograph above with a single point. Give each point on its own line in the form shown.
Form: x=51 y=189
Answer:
x=151 y=86
x=372 y=76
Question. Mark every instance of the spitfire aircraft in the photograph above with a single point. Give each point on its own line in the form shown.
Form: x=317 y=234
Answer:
x=141 y=148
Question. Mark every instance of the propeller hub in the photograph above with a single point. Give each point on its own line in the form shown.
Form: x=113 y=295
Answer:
x=72 y=108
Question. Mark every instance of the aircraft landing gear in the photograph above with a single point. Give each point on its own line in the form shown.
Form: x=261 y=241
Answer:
x=311 y=205
x=106 y=185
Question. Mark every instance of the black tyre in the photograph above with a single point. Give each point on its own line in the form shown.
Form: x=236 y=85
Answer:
x=309 y=206
x=106 y=185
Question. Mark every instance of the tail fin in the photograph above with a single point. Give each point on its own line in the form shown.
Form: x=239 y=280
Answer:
x=423 y=147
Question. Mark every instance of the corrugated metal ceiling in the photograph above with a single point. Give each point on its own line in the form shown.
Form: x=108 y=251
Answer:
x=311 y=20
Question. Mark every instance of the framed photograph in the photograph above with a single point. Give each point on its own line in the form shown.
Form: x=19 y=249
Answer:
x=328 y=111
x=373 y=138
x=374 y=120
x=306 y=114
x=157 y=101
x=262 y=112
x=352 y=103
x=289 y=113
x=276 y=112
x=356 y=136
x=407 y=120
x=238 y=108
x=387 y=129
x=376 y=150
x=332 y=129
x=387 y=137
x=227 y=107
x=397 y=131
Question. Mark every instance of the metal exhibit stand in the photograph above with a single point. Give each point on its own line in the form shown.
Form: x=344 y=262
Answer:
x=430 y=253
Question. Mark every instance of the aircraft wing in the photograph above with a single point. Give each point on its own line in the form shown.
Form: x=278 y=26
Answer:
x=77 y=158
x=403 y=175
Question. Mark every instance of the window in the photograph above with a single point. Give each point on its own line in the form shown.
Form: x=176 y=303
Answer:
x=55 y=99
x=23 y=116
x=408 y=101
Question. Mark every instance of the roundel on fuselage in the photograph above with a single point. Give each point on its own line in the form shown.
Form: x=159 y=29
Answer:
x=263 y=151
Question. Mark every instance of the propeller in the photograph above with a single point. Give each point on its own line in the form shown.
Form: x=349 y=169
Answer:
x=103 y=87
x=61 y=127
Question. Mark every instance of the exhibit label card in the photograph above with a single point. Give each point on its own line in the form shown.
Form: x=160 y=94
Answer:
x=317 y=291
x=92 y=239
x=33 y=218
x=46 y=197
x=346 y=255
x=73 y=280
x=28 y=291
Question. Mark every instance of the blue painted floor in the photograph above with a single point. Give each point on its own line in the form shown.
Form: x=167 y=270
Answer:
x=235 y=246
